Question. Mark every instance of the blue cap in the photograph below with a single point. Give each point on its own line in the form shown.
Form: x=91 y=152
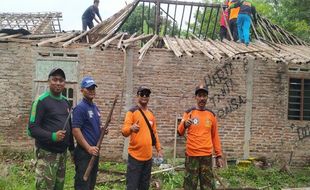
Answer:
x=87 y=82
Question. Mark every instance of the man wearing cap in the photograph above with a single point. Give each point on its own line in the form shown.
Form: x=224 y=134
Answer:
x=202 y=139
x=140 y=125
x=49 y=125
x=86 y=130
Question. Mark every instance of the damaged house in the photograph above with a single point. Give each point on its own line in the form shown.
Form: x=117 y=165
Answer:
x=260 y=93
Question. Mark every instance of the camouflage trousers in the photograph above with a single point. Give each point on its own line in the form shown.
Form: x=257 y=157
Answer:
x=50 y=170
x=198 y=168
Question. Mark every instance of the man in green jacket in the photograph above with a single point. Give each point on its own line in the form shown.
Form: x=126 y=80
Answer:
x=49 y=125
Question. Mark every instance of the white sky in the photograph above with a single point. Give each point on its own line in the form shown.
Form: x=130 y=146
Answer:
x=72 y=10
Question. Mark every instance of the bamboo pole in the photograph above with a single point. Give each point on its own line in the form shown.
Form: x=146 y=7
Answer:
x=131 y=37
x=242 y=49
x=148 y=44
x=222 y=48
x=113 y=24
x=141 y=37
x=107 y=43
x=101 y=41
x=145 y=48
x=74 y=39
x=119 y=45
x=64 y=38
x=190 y=46
x=55 y=40
x=167 y=44
x=223 y=43
x=34 y=36
x=3 y=34
x=183 y=48
x=173 y=48
x=80 y=36
x=216 y=51
x=294 y=51
x=254 y=29
x=200 y=47
x=266 y=30
x=207 y=45
x=10 y=36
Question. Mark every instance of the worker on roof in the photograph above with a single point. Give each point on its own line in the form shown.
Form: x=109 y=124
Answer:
x=244 y=20
x=224 y=16
x=233 y=16
x=90 y=14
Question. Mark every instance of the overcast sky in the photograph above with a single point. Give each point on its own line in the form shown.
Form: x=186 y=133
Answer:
x=72 y=10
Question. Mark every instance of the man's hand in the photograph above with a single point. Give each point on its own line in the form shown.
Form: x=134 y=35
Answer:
x=160 y=153
x=188 y=123
x=60 y=135
x=135 y=127
x=93 y=150
x=219 y=161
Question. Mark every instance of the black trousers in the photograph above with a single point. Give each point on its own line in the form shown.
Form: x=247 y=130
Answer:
x=223 y=32
x=233 y=28
x=81 y=160
x=138 y=174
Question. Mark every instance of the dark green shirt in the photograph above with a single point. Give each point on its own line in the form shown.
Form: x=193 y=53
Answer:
x=48 y=115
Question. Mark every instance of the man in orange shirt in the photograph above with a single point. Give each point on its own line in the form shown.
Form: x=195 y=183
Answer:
x=140 y=125
x=202 y=140
x=233 y=16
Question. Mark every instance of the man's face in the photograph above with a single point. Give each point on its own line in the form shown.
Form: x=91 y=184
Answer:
x=201 y=98
x=56 y=84
x=143 y=97
x=89 y=93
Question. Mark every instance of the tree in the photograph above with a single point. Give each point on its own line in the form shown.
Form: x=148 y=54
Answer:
x=291 y=15
x=134 y=22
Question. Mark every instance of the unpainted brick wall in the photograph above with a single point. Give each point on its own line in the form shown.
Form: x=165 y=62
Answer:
x=172 y=81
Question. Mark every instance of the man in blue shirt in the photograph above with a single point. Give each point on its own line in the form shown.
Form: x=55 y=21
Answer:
x=90 y=14
x=86 y=130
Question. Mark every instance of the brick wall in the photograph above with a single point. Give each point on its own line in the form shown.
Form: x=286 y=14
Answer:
x=172 y=81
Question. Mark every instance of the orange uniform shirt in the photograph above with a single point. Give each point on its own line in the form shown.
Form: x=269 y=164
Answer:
x=140 y=145
x=202 y=135
x=233 y=13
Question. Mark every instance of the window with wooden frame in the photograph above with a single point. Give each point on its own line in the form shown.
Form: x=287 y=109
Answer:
x=299 y=99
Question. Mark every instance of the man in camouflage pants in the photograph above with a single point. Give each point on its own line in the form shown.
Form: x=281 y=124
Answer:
x=49 y=125
x=202 y=139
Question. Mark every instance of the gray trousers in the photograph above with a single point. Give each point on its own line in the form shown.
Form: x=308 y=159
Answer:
x=138 y=174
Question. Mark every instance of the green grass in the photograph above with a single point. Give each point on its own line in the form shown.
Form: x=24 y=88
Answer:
x=17 y=173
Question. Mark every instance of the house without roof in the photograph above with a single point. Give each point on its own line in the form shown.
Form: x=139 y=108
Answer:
x=260 y=93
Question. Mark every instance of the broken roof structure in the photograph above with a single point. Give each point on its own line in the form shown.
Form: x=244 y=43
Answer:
x=35 y=23
x=271 y=41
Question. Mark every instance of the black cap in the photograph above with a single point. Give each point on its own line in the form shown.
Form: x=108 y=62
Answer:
x=201 y=88
x=57 y=71
x=143 y=88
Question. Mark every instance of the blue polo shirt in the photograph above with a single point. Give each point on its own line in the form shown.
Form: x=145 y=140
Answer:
x=86 y=116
